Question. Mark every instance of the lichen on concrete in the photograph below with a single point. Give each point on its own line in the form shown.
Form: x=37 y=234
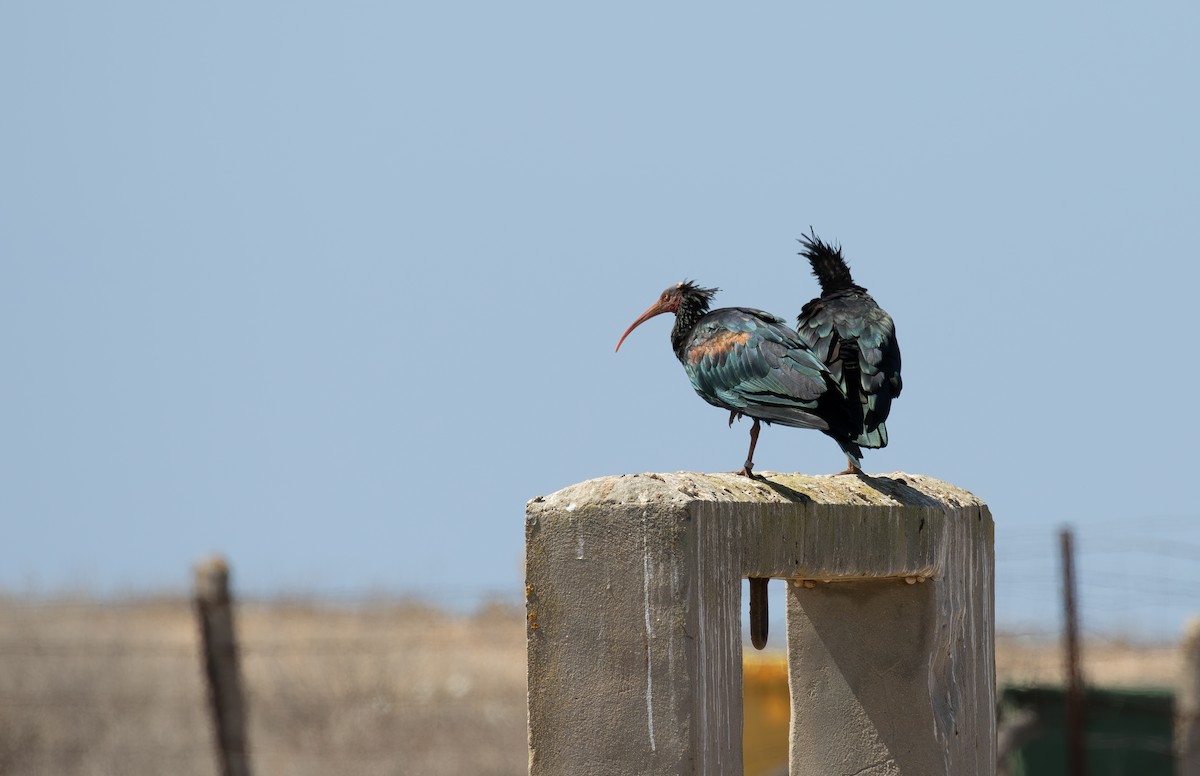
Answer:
x=895 y=489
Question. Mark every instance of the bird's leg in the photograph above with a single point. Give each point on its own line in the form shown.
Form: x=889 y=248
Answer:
x=734 y=415
x=852 y=467
x=748 y=469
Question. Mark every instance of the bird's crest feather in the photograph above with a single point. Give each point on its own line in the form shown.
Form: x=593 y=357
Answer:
x=693 y=289
x=828 y=264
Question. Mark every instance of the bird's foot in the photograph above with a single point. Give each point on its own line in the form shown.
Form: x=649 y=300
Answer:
x=851 y=469
x=748 y=471
x=734 y=415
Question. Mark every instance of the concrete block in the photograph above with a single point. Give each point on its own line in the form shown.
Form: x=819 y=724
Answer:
x=634 y=628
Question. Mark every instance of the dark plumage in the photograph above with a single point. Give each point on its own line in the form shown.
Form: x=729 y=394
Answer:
x=751 y=363
x=856 y=339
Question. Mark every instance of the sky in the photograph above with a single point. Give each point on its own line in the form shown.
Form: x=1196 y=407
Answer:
x=333 y=288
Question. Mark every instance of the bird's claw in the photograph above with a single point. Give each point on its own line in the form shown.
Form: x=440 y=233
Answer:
x=748 y=471
x=734 y=415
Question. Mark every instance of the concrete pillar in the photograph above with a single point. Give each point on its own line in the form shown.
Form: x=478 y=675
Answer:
x=1187 y=705
x=634 y=644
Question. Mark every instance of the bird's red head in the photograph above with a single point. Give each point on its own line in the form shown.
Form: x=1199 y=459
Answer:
x=668 y=302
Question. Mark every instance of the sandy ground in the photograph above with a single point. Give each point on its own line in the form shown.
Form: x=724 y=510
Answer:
x=1108 y=662
x=378 y=688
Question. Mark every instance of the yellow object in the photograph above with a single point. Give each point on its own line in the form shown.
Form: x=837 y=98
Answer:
x=766 y=714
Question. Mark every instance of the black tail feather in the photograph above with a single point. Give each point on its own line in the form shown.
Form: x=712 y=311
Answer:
x=853 y=452
x=827 y=262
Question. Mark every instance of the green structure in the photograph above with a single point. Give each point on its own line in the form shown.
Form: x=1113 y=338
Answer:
x=1128 y=732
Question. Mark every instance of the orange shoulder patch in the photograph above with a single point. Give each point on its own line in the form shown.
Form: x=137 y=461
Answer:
x=718 y=344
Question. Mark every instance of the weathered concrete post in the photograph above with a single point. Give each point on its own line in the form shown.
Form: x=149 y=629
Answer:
x=1187 y=706
x=634 y=645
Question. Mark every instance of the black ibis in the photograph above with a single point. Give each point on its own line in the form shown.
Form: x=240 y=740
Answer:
x=856 y=339
x=752 y=363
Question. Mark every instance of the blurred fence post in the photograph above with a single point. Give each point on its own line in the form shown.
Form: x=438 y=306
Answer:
x=1076 y=709
x=1187 y=706
x=633 y=603
x=214 y=610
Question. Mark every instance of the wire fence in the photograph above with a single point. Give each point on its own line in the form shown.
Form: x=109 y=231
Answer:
x=1138 y=579
x=373 y=685
x=379 y=688
x=1138 y=585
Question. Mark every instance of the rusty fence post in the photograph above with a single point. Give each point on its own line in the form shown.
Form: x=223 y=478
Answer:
x=214 y=610
x=1076 y=722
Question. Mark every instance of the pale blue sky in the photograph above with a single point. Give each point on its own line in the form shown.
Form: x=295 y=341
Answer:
x=333 y=288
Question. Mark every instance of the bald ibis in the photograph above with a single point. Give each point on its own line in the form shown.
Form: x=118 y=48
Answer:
x=856 y=339
x=751 y=363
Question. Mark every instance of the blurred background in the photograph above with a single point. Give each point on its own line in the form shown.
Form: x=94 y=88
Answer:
x=332 y=289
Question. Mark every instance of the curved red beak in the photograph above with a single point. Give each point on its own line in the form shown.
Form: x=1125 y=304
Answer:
x=658 y=308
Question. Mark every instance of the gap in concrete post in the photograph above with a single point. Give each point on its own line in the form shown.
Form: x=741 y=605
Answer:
x=634 y=627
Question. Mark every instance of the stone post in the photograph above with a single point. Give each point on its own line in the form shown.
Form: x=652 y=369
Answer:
x=1187 y=705
x=633 y=600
